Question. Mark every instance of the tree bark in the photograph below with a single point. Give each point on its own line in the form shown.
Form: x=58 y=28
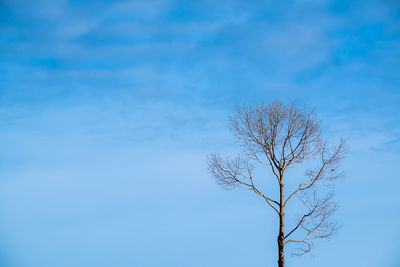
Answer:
x=281 y=250
x=281 y=236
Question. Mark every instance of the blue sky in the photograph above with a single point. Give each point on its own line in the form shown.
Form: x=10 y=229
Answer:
x=109 y=109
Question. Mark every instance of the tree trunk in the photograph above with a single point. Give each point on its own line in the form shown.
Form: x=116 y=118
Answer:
x=281 y=250
x=281 y=236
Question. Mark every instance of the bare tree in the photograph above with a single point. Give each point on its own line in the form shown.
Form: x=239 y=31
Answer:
x=280 y=137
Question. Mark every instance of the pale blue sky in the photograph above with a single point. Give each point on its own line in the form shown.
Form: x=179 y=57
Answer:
x=109 y=109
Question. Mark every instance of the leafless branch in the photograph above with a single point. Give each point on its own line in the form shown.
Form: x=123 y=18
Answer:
x=329 y=158
x=236 y=173
x=314 y=224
